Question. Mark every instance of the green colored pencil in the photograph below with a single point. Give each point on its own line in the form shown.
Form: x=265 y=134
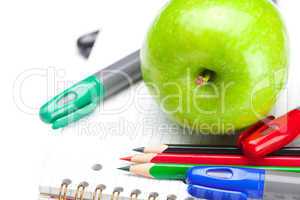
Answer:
x=178 y=171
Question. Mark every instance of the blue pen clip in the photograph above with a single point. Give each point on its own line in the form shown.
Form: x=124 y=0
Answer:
x=226 y=183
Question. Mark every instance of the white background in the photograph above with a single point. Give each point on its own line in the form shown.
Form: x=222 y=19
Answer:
x=36 y=35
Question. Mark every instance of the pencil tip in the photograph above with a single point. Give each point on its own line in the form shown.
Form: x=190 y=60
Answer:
x=126 y=168
x=128 y=158
x=140 y=149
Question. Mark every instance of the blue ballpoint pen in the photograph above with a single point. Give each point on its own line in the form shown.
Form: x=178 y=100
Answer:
x=231 y=183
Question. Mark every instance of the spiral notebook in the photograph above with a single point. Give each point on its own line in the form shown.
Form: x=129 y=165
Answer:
x=85 y=156
x=72 y=166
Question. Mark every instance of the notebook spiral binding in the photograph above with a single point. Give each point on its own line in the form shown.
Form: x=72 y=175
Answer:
x=98 y=192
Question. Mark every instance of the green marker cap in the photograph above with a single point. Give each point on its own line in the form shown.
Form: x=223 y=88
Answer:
x=74 y=103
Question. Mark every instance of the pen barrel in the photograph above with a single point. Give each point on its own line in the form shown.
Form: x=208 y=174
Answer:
x=281 y=185
x=121 y=74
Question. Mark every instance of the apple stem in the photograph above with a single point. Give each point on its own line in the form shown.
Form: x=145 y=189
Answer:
x=202 y=79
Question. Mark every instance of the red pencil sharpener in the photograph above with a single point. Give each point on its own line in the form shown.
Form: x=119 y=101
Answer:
x=270 y=134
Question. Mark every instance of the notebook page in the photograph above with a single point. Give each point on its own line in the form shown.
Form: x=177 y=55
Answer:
x=112 y=132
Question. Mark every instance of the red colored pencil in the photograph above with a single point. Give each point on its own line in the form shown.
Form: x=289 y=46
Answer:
x=215 y=159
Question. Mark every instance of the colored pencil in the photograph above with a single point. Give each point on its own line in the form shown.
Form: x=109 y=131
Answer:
x=210 y=149
x=159 y=171
x=214 y=159
x=178 y=171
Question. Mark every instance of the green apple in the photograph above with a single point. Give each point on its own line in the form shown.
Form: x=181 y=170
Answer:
x=216 y=66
